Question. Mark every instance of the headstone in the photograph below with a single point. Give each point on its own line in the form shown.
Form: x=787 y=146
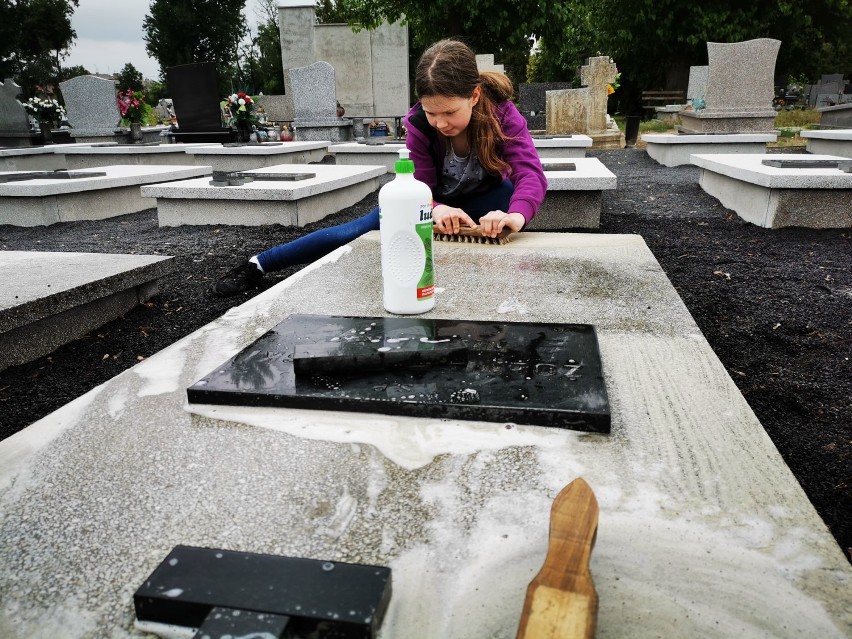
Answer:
x=532 y=102
x=14 y=122
x=584 y=110
x=196 y=98
x=485 y=62
x=90 y=103
x=740 y=89
x=831 y=77
x=164 y=109
x=315 y=104
x=277 y=107
x=697 y=83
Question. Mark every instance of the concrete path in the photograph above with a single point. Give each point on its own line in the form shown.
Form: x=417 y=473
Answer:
x=703 y=530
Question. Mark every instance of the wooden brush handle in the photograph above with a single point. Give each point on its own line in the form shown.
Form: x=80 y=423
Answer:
x=561 y=601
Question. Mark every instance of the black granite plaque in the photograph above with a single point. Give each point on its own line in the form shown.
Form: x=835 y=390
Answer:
x=337 y=599
x=527 y=373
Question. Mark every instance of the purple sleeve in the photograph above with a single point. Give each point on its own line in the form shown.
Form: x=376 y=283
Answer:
x=418 y=144
x=519 y=152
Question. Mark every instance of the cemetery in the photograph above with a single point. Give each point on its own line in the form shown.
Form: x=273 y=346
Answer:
x=631 y=412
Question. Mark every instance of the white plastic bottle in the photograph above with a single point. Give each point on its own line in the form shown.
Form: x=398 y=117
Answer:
x=408 y=274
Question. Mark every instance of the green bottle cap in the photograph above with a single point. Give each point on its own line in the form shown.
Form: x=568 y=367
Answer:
x=403 y=164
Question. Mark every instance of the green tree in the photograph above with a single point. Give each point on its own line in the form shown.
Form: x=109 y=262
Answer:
x=654 y=42
x=66 y=73
x=270 y=67
x=187 y=31
x=129 y=78
x=34 y=38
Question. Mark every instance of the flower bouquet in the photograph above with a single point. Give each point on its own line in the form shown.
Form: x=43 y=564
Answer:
x=131 y=105
x=44 y=110
x=241 y=107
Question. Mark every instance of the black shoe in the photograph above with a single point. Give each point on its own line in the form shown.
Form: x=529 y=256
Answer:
x=237 y=280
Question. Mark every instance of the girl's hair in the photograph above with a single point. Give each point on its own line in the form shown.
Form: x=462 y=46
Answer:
x=448 y=69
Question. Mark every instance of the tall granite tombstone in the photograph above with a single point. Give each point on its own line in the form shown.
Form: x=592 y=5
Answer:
x=532 y=102
x=91 y=109
x=195 y=100
x=315 y=105
x=697 y=87
x=583 y=110
x=14 y=122
x=739 y=91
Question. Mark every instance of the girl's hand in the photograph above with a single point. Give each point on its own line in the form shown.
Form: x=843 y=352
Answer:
x=495 y=221
x=449 y=220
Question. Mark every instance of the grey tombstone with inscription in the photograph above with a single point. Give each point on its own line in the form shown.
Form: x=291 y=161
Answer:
x=315 y=104
x=90 y=104
x=739 y=91
x=14 y=122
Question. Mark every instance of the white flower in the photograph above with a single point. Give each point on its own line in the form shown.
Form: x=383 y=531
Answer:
x=241 y=102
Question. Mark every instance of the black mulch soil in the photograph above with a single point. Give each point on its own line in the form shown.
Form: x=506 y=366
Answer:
x=774 y=305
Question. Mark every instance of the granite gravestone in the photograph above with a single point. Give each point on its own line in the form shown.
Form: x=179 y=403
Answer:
x=14 y=122
x=90 y=104
x=532 y=102
x=277 y=107
x=697 y=86
x=196 y=103
x=584 y=110
x=739 y=91
x=315 y=105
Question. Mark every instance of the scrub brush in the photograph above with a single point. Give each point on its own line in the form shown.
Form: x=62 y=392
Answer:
x=473 y=235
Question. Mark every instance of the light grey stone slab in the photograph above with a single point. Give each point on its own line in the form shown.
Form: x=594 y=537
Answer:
x=567 y=147
x=836 y=142
x=778 y=197
x=353 y=153
x=676 y=150
x=244 y=158
x=31 y=159
x=573 y=198
x=694 y=497
x=49 y=299
x=838 y=116
x=740 y=74
x=90 y=103
x=41 y=202
x=132 y=154
x=277 y=107
x=289 y=203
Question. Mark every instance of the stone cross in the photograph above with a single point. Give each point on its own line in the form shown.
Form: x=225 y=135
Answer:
x=485 y=62
x=597 y=74
x=13 y=116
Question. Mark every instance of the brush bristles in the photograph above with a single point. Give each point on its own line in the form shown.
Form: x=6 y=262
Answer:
x=473 y=236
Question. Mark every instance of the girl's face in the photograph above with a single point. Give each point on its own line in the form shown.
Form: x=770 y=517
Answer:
x=449 y=115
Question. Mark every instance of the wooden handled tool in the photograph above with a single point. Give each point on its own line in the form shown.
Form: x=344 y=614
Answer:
x=473 y=235
x=561 y=600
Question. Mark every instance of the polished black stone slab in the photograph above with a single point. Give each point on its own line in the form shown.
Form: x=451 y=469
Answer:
x=228 y=623
x=528 y=373
x=58 y=174
x=333 y=599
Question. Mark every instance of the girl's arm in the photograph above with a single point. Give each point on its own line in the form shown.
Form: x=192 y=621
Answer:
x=520 y=153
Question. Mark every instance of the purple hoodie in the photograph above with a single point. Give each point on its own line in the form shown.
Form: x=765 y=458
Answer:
x=518 y=152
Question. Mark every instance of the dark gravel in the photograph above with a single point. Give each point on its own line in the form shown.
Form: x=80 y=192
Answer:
x=774 y=305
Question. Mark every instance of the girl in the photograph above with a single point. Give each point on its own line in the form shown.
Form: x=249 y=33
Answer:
x=469 y=145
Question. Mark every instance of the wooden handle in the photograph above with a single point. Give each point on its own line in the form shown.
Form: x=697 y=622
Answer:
x=561 y=601
x=475 y=231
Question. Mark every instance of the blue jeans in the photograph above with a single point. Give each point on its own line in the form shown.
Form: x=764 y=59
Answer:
x=314 y=245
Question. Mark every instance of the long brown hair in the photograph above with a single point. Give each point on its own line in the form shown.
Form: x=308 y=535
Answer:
x=448 y=69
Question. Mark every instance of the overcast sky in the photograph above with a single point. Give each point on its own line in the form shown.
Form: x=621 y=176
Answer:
x=109 y=35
